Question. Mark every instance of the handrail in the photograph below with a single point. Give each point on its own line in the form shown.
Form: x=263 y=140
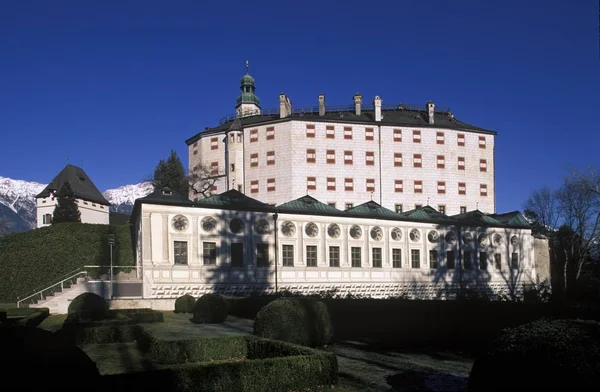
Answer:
x=61 y=283
x=36 y=289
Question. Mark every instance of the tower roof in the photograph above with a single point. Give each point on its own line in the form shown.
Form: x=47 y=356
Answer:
x=248 y=87
x=82 y=185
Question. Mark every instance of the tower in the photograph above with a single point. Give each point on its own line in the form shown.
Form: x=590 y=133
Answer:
x=247 y=103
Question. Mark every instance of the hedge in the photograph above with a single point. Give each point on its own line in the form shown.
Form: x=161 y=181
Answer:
x=210 y=308
x=41 y=256
x=87 y=307
x=100 y=335
x=185 y=304
x=33 y=319
x=116 y=317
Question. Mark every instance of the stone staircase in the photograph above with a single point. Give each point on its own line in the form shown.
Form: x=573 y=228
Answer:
x=58 y=303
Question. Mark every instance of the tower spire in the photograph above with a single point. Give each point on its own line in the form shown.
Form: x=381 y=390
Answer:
x=247 y=103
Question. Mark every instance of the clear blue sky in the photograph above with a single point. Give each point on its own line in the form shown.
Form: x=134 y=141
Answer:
x=114 y=85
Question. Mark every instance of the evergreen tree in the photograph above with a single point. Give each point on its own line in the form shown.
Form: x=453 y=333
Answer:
x=171 y=173
x=66 y=209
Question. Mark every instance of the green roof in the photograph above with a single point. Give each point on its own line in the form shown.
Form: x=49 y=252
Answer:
x=426 y=214
x=477 y=218
x=165 y=196
x=308 y=205
x=371 y=209
x=233 y=199
x=514 y=218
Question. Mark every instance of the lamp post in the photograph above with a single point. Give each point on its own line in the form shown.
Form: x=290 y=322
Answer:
x=275 y=215
x=111 y=242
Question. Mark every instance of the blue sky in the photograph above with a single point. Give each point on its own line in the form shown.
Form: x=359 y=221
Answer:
x=114 y=85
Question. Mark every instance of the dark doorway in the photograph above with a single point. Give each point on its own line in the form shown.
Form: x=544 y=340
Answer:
x=237 y=254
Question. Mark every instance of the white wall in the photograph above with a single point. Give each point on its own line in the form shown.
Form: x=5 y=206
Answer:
x=90 y=212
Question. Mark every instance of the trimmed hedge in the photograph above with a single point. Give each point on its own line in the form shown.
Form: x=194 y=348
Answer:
x=210 y=309
x=543 y=355
x=35 y=318
x=35 y=258
x=100 y=335
x=88 y=307
x=185 y=304
x=116 y=317
x=302 y=321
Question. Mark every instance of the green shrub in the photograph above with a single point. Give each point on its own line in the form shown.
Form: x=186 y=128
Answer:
x=196 y=350
x=87 y=307
x=137 y=316
x=35 y=318
x=100 y=335
x=185 y=304
x=302 y=321
x=543 y=355
x=210 y=309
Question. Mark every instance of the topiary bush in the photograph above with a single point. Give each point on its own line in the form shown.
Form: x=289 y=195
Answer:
x=543 y=355
x=87 y=307
x=185 y=304
x=210 y=309
x=302 y=321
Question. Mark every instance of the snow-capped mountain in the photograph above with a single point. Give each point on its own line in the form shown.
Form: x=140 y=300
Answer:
x=123 y=197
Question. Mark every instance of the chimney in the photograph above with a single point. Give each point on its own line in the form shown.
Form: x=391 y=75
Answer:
x=430 y=112
x=321 y=105
x=357 y=103
x=283 y=107
x=377 y=104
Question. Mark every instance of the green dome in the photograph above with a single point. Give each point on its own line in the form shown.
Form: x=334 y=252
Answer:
x=248 y=98
x=247 y=79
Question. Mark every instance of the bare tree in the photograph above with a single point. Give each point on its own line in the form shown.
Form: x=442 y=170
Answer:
x=543 y=208
x=201 y=180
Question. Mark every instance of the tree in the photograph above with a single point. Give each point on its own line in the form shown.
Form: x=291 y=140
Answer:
x=542 y=209
x=171 y=173
x=202 y=179
x=66 y=209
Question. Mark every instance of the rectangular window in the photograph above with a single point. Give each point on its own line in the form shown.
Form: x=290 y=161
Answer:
x=433 y=258
x=254 y=186
x=462 y=188
x=376 y=257
x=418 y=186
x=271 y=185
x=398 y=208
x=214 y=143
x=214 y=168
x=417 y=206
x=397 y=258
x=180 y=252
x=460 y=139
x=330 y=132
x=461 y=163
x=467 y=259
x=463 y=209
x=196 y=144
x=498 y=261
x=349 y=205
x=270 y=158
x=288 y=255
x=416 y=136
x=311 y=183
x=369 y=134
x=450 y=259
x=398 y=186
x=331 y=204
x=415 y=258
x=330 y=156
x=442 y=209
x=270 y=133
x=441 y=187
x=310 y=130
x=369 y=158
x=370 y=185
x=439 y=137
x=483 y=261
x=481 y=141
x=482 y=165
x=311 y=255
x=348 y=158
x=254 y=160
x=209 y=253
x=195 y=152
x=397 y=135
x=514 y=260
x=334 y=256
x=253 y=135
x=331 y=183
x=347 y=132
x=355 y=255
x=213 y=189
x=262 y=255
x=47 y=218
x=237 y=254
x=311 y=155
x=417 y=160
x=232 y=167
x=482 y=190
x=349 y=184
x=441 y=162
x=397 y=159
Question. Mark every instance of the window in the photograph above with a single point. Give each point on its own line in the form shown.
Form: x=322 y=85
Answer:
x=209 y=253
x=232 y=167
x=270 y=133
x=47 y=219
x=397 y=258
x=311 y=183
x=376 y=257
x=415 y=258
x=417 y=206
x=311 y=155
x=439 y=137
x=482 y=165
x=334 y=256
x=355 y=253
x=450 y=259
x=195 y=152
x=331 y=204
x=369 y=158
x=254 y=160
x=441 y=187
x=253 y=135
x=262 y=255
x=416 y=136
x=348 y=158
x=349 y=184
x=330 y=132
x=463 y=209
x=271 y=185
x=288 y=255
x=347 y=132
x=349 y=205
x=460 y=139
x=417 y=160
x=442 y=209
x=370 y=184
x=214 y=143
x=237 y=254
x=369 y=134
x=270 y=158
x=254 y=186
x=398 y=208
x=232 y=137
x=397 y=135
x=331 y=183
x=468 y=263
x=399 y=188
x=180 y=252
x=483 y=190
x=483 y=260
x=310 y=130
x=433 y=258
x=214 y=168
x=481 y=141
x=311 y=255
x=195 y=144
x=461 y=163
x=441 y=162
x=397 y=159
x=213 y=189
x=418 y=186
x=514 y=260
x=330 y=156
x=462 y=189
x=498 y=261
